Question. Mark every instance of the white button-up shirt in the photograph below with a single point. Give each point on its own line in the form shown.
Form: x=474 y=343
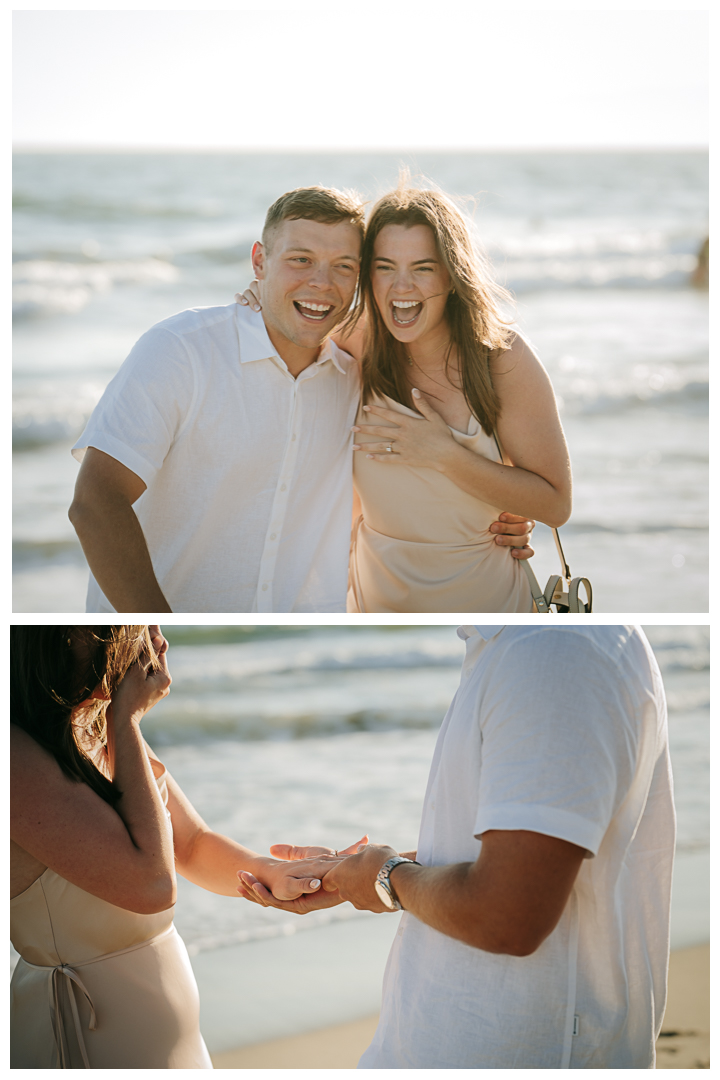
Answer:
x=248 y=470
x=560 y=731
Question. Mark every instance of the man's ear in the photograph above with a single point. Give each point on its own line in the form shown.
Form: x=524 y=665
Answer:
x=258 y=260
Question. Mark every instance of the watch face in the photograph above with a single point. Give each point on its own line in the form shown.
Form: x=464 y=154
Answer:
x=384 y=893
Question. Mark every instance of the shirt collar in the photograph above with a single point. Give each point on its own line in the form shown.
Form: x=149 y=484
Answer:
x=255 y=344
x=485 y=632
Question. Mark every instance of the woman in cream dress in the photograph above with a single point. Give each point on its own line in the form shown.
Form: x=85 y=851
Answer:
x=458 y=424
x=458 y=420
x=98 y=829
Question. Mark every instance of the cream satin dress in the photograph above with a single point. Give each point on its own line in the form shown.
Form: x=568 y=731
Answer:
x=98 y=987
x=423 y=544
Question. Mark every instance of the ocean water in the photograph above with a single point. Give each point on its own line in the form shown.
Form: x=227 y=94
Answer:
x=319 y=734
x=598 y=248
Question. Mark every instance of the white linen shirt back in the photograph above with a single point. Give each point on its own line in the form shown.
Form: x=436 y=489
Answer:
x=248 y=470
x=561 y=731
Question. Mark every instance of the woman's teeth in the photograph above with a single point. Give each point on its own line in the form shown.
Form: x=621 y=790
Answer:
x=312 y=311
x=410 y=310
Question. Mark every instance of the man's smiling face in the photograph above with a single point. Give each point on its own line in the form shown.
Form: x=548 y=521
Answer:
x=308 y=272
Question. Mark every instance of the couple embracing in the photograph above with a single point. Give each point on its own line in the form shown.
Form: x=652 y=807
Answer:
x=217 y=468
x=535 y=931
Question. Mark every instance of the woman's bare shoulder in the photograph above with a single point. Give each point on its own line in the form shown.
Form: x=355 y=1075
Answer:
x=25 y=752
x=518 y=357
x=37 y=779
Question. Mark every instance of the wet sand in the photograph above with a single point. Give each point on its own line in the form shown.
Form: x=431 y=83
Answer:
x=683 y=1044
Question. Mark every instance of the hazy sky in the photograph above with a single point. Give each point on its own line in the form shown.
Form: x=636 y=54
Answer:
x=377 y=75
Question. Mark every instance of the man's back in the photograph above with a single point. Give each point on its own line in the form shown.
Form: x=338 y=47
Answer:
x=562 y=732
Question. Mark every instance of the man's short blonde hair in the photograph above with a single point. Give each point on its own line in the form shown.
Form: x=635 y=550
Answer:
x=327 y=205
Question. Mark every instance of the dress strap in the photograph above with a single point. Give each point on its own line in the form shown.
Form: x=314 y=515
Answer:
x=55 y=981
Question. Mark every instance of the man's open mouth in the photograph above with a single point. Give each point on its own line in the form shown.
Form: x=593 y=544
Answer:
x=312 y=312
x=405 y=312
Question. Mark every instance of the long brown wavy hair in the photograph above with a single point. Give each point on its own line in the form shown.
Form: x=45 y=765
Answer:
x=54 y=670
x=472 y=310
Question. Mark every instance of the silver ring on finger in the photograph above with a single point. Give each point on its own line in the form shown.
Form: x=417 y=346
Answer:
x=389 y=449
x=334 y=851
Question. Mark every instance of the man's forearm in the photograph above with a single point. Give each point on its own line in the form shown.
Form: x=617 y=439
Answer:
x=445 y=898
x=117 y=553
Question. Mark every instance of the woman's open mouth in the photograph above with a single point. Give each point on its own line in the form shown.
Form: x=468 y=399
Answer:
x=405 y=312
x=312 y=312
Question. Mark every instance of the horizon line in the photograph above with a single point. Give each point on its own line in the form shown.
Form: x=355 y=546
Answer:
x=84 y=148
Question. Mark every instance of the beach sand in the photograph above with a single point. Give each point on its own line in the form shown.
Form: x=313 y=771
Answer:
x=683 y=1044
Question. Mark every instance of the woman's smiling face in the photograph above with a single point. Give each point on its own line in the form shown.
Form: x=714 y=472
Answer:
x=409 y=282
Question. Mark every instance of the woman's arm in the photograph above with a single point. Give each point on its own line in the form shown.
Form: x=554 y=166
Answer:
x=121 y=855
x=537 y=481
x=213 y=861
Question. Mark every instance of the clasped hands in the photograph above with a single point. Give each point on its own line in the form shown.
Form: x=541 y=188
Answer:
x=322 y=878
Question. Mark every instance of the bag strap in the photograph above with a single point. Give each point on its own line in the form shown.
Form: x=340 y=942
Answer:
x=553 y=593
x=538 y=595
x=563 y=561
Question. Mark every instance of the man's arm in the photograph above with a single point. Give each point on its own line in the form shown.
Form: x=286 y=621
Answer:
x=508 y=901
x=110 y=533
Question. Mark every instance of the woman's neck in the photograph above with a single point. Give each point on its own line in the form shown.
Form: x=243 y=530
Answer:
x=432 y=351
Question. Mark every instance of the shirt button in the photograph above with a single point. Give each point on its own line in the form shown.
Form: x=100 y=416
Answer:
x=294 y=438
x=264 y=588
x=273 y=535
x=282 y=487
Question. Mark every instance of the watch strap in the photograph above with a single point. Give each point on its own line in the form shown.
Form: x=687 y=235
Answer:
x=383 y=877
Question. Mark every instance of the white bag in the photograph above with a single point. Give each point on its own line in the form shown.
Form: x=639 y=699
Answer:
x=554 y=592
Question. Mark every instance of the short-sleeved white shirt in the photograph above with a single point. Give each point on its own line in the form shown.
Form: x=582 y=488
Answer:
x=248 y=470
x=561 y=731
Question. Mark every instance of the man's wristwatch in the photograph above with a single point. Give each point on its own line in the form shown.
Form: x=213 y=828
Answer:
x=382 y=882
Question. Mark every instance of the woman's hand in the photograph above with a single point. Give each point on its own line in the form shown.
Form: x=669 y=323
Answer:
x=251 y=296
x=144 y=684
x=251 y=889
x=297 y=888
x=292 y=852
x=414 y=440
x=289 y=880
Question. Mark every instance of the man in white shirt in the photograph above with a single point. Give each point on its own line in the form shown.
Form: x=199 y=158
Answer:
x=536 y=925
x=217 y=467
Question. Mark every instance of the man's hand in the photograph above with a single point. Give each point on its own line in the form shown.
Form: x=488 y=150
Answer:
x=354 y=878
x=515 y=532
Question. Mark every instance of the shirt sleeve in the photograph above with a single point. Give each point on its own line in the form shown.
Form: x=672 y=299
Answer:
x=146 y=405
x=559 y=729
